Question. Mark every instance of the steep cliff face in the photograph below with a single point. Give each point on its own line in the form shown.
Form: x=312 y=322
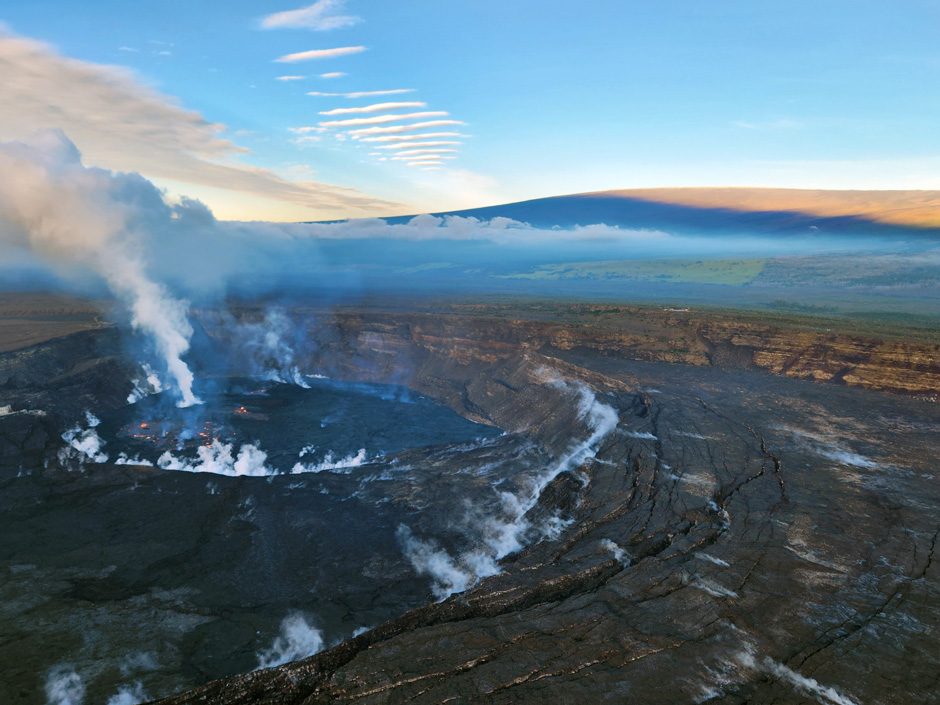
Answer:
x=396 y=344
x=854 y=361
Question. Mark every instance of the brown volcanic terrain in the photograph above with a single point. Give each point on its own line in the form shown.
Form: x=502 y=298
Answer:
x=798 y=350
x=919 y=209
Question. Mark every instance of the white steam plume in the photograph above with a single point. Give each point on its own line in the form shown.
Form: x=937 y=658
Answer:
x=129 y=695
x=75 y=215
x=151 y=384
x=331 y=464
x=220 y=458
x=85 y=443
x=64 y=686
x=449 y=575
x=619 y=552
x=498 y=536
x=267 y=345
x=217 y=458
x=297 y=640
x=826 y=695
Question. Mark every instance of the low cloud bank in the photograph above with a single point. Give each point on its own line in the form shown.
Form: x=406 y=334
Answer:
x=455 y=227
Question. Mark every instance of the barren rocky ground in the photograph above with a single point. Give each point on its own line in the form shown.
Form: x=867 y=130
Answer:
x=737 y=537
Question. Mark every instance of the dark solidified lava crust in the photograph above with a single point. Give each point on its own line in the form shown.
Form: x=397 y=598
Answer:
x=740 y=538
x=759 y=570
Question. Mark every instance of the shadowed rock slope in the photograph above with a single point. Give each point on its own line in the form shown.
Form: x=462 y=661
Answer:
x=388 y=345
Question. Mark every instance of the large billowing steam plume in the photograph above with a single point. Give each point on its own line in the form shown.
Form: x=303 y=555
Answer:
x=66 y=212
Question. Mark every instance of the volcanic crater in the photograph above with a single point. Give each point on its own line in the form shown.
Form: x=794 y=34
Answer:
x=536 y=516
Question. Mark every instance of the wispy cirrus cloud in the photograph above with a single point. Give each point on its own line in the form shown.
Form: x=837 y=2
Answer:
x=364 y=121
x=319 y=54
x=306 y=139
x=426 y=157
x=413 y=152
x=393 y=129
x=290 y=78
x=363 y=94
x=379 y=119
x=119 y=123
x=409 y=138
x=375 y=108
x=321 y=16
x=408 y=145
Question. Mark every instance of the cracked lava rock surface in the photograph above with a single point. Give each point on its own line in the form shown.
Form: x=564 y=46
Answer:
x=737 y=538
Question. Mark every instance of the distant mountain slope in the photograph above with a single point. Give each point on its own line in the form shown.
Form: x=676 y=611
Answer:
x=750 y=209
x=907 y=208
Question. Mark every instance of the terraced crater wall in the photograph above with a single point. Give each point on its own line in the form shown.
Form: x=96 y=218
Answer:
x=393 y=345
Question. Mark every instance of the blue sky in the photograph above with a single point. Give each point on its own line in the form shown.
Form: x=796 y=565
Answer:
x=554 y=97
